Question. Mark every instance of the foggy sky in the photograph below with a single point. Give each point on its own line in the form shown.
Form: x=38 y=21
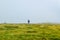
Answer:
x=38 y=11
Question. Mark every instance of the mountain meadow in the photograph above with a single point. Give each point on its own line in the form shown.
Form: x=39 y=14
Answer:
x=44 y=31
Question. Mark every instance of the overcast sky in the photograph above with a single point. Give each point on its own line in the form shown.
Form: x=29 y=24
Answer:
x=38 y=11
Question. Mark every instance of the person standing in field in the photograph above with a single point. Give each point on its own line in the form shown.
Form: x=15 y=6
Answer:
x=28 y=21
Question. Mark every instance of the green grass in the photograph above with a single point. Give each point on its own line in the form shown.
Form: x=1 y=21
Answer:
x=29 y=31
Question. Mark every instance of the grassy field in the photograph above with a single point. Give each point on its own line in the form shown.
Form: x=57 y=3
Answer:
x=29 y=31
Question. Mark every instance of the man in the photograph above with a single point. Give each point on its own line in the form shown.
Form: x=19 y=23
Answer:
x=28 y=21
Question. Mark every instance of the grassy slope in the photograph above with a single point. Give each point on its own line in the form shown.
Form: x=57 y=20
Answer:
x=29 y=31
